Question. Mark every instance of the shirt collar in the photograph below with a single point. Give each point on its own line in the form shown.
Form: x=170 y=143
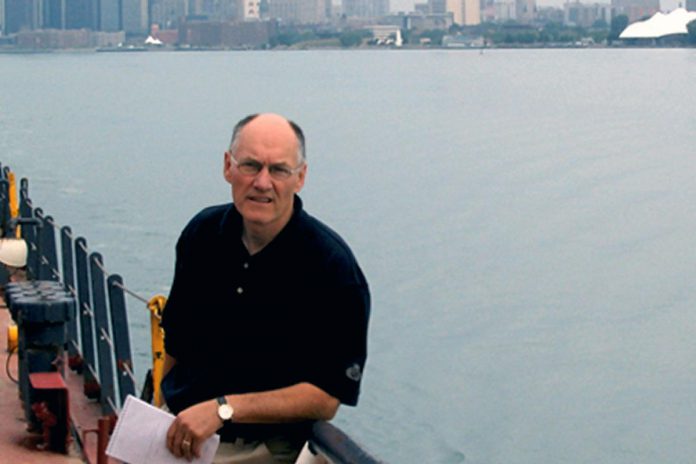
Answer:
x=232 y=221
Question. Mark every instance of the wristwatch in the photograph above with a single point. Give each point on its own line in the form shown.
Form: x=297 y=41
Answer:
x=224 y=411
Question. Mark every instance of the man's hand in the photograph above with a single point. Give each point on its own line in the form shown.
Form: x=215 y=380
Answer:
x=191 y=428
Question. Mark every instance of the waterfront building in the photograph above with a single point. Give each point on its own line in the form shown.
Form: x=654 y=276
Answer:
x=660 y=27
x=365 y=8
x=416 y=21
x=222 y=10
x=299 y=11
x=635 y=9
x=61 y=39
x=227 y=34
x=427 y=22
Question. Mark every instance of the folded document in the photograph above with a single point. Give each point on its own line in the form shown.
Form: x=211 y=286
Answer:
x=140 y=436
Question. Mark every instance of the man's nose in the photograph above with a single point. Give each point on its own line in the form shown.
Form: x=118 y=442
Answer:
x=262 y=181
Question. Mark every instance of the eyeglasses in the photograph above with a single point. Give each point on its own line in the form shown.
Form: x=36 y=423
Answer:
x=250 y=167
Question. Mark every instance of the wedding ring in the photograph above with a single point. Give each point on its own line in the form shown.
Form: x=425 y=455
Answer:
x=186 y=444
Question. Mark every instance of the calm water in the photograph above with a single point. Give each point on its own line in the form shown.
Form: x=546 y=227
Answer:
x=525 y=219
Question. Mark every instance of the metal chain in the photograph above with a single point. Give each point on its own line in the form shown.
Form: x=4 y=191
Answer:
x=130 y=292
x=127 y=371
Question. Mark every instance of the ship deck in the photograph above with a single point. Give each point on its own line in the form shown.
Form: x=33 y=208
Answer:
x=17 y=445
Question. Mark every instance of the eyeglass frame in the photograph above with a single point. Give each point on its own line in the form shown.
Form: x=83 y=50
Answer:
x=272 y=168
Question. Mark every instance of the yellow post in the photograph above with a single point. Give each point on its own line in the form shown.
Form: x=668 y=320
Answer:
x=14 y=199
x=156 y=306
x=12 y=337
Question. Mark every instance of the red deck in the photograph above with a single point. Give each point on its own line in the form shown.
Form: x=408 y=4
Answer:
x=17 y=446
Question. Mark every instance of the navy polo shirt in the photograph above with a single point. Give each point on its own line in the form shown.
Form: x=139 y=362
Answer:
x=297 y=311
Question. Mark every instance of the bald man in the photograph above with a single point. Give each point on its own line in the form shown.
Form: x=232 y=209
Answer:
x=266 y=322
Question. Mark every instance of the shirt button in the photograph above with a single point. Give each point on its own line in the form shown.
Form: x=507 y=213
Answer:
x=240 y=290
x=246 y=265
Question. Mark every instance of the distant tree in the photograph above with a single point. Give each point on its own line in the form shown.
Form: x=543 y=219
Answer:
x=435 y=36
x=691 y=27
x=600 y=24
x=353 y=38
x=551 y=31
x=350 y=39
x=599 y=36
x=292 y=37
x=618 y=24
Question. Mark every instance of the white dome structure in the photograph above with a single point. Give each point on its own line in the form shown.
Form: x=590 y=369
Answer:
x=660 y=25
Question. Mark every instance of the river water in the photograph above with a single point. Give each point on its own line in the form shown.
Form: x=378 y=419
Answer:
x=525 y=219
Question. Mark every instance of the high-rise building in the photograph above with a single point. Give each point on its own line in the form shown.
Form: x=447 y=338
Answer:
x=465 y=12
x=250 y=9
x=635 y=9
x=80 y=14
x=525 y=10
x=134 y=17
x=48 y=14
x=365 y=8
x=20 y=15
x=690 y=5
x=109 y=15
x=51 y=14
x=437 y=6
x=585 y=15
x=168 y=13
x=298 y=11
x=505 y=10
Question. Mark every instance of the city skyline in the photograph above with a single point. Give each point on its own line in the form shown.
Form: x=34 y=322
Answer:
x=408 y=5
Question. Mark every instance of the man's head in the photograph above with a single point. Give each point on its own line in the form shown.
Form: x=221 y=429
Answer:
x=302 y=154
x=266 y=166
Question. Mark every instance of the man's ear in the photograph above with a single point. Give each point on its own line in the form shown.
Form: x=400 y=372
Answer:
x=301 y=178
x=227 y=167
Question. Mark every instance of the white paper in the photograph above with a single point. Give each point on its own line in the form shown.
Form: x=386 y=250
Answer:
x=140 y=436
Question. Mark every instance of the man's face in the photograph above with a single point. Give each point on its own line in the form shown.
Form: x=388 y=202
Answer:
x=263 y=200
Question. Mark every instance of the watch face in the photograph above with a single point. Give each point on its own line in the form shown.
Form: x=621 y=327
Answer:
x=225 y=412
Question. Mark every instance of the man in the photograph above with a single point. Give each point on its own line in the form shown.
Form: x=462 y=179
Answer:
x=266 y=323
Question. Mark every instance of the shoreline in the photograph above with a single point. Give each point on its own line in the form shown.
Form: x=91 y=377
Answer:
x=41 y=51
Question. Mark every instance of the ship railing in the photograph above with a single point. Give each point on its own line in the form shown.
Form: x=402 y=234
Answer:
x=98 y=336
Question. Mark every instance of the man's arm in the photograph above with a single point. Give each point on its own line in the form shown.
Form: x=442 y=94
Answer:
x=302 y=401
x=169 y=362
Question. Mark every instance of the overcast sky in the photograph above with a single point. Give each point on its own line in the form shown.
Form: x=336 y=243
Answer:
x=407 y=5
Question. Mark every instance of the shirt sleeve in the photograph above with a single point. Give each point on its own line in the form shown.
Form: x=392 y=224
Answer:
x=340 y=357
x=174 y=315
